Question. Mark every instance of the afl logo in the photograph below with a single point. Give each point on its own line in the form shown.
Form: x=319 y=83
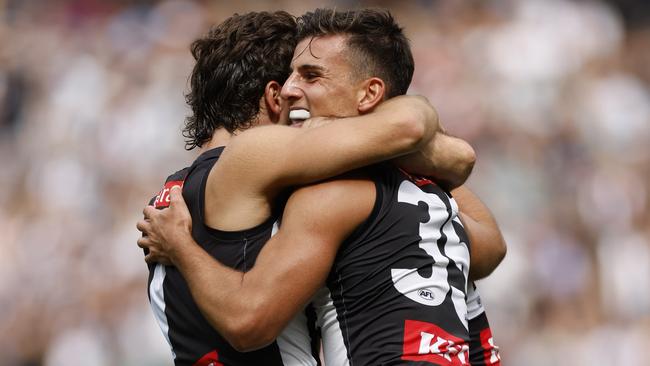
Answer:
x=426 y=294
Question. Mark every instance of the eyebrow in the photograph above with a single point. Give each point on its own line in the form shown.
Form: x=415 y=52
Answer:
x=310 y=67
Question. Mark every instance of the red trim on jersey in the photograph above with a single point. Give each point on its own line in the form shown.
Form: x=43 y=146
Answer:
x=419 y=181
x=162 y=199
x=209 y=359
x=426 y=342
x=490 y=352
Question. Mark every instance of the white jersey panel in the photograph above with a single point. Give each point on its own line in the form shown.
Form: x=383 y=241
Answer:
x=334 y=350
x=157 y=302
x=295 y=341
x=474 y=304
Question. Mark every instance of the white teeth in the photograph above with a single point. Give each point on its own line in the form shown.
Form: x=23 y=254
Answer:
x=299 y=114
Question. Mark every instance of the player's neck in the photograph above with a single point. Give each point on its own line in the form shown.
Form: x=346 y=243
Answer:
x=220 y=137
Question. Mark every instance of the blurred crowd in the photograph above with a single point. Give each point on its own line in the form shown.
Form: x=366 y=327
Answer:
x=553 y=94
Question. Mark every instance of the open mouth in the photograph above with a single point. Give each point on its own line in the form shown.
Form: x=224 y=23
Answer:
x=298 y=116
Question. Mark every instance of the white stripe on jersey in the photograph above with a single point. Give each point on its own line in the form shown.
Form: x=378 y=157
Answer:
x=460 y=254
x=295 y=341
x=334 y=350
x=474 y=304
x=157 y=296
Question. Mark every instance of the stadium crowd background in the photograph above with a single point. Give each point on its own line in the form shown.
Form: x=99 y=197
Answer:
x=553 y=94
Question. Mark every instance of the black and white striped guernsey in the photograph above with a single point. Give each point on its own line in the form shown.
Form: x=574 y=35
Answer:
x=396 y=294
x=193 y=341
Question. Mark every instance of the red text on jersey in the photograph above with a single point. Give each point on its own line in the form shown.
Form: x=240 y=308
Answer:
x=209 y=359
x=426 y=342
x=491 y=352
x=162 y=199
x=418 y=181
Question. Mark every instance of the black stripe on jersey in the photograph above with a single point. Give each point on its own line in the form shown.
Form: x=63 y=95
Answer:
x=360 y=232
x=479 y=352
x=362 y=229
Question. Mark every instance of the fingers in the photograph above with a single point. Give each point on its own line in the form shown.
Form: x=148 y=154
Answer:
x=149 y=259
x=153 y=254
x=143 y=226
x=154 y=223
x=154 y=257
x=178 y=205
x=176 y=196
x=148 y=211
x=144 y=242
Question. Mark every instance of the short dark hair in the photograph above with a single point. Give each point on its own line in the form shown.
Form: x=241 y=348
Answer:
x=234 y=62
x=377 y=42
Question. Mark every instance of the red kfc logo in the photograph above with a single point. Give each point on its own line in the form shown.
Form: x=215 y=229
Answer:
x=426 y=342
x=491 y=352
x=209 y=359
x=418 y=181
x=162 y=199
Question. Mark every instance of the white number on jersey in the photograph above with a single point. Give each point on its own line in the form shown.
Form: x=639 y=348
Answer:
x=433 y=290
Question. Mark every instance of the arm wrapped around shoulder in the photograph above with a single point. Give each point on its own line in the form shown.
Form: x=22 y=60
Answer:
x=448 y=160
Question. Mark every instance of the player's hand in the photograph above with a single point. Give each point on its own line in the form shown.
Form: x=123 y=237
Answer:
x=154 y=255
x=164 y=231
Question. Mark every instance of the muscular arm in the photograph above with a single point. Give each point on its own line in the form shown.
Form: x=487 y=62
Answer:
x=488 y=248
x=250 y=309
x=447 y=159
x=260 y=162
x=296 y=156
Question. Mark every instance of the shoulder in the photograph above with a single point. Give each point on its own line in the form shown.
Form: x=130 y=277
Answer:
x=256 y=157
x=346 y=200
x=359 y=181
x=261 y=140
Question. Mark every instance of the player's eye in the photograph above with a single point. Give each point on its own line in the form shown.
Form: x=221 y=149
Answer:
x=310 y=75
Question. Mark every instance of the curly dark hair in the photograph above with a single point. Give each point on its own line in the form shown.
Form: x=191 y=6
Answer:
x=377 y=43
x=234 y=62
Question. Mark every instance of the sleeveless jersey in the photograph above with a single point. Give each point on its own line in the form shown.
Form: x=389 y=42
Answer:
x=192 y=339
x=396 y=293
x=482 y=351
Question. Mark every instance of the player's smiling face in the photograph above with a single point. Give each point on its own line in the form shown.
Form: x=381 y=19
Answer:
x=323 y=81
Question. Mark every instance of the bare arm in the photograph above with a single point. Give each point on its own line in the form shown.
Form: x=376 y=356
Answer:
x=262 y=161
x=290 y=156
x=293 y=156
x=251 y=309
x=488 y=248
x=447 y=159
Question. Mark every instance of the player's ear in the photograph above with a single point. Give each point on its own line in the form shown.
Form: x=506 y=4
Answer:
x=272 y=99
x=371 y=94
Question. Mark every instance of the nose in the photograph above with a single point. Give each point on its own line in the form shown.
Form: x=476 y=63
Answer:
x=290 y=89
